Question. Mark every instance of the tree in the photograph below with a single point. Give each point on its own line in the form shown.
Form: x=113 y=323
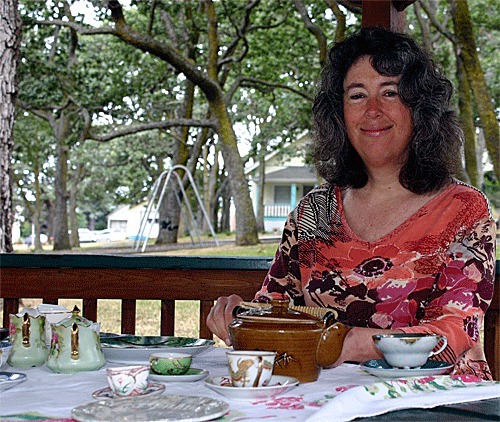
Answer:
x=471 y=83
x=156 y=83
x=467 y=53
x=10 y=39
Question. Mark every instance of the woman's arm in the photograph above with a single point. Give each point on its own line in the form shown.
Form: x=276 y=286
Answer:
x=463 y=290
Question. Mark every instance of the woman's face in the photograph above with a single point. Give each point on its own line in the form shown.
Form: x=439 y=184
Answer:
x=378 y=124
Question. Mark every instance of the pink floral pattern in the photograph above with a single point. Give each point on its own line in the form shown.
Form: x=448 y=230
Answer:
x=432 y=274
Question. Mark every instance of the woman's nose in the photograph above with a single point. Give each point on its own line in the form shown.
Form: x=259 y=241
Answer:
x=373 y=107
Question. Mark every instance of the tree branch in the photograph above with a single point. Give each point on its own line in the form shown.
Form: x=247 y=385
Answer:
x=145 y=43
x=151 y=17
x=436 y=23
x=154 y=125
x=213 y=45
x=169 y=27
x=341 y=20
x=240 y=35
x=247 y=81
x=81 y=29
x=313 y=29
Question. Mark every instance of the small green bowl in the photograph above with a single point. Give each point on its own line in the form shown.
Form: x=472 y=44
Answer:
x=170 y=363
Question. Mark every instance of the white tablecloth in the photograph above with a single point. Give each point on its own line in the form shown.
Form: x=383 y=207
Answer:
x=340 y=394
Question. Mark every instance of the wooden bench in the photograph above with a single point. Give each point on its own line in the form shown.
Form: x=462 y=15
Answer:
x=130 y=278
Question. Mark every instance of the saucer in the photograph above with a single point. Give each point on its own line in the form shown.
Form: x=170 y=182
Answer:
x=11 y=379
x=192 y=374
x=106 y=393
x=278 y=385
x=380 y=368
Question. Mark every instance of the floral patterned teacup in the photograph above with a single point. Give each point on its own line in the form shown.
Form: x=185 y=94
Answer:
x=409 y=350
x=250 y=368
x=128 y=380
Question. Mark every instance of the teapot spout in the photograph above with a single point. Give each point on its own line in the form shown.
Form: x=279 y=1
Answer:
x=330 y=344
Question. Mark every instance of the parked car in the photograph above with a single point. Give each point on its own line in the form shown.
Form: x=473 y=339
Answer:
x=109 y=235
x=30 y=240
x=86 y=235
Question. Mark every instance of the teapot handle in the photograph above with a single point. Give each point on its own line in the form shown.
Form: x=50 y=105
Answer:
x=330 y=344
x=26 y=330
x=74 y=342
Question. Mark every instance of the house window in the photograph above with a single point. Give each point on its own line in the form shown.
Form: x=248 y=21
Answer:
x=282 y=194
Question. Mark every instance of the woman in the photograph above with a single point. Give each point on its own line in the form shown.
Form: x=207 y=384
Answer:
x=391 y=242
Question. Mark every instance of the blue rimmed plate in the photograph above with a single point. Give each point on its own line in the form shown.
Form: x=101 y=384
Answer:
x=380 y=368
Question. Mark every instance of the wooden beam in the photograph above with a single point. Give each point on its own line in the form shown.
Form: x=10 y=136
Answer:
x=382 y=14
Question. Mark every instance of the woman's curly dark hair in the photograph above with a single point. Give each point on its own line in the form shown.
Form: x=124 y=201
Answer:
x=434 y=149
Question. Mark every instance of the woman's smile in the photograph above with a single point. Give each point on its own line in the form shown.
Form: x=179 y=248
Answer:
x=373 y=111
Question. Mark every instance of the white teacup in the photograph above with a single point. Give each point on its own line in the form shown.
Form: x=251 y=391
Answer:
x=250 y=368
x=408 y=350
x=128 y=380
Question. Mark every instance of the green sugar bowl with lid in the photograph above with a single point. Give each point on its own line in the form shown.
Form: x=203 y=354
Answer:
x=75 y=345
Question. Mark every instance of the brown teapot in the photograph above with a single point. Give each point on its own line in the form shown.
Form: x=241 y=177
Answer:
x=303 y=342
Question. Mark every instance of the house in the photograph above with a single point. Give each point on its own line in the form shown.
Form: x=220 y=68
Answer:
x=287 y=179
x=127 y=219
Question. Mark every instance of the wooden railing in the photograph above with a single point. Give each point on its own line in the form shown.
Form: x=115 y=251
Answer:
x=166 y=278
x=129 y=278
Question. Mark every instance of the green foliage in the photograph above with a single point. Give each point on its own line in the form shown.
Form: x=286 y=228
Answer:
x=120 y=85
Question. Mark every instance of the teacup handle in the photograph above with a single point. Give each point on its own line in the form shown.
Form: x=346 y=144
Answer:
x=443 y=346
x=260 y=365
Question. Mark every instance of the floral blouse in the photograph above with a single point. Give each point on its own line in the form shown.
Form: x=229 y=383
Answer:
x=432 y=274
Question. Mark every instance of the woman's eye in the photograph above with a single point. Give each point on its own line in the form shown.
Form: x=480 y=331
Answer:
x=391 y=94
x=356 y=96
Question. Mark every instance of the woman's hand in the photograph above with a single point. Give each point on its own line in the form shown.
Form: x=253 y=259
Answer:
x=221 y=315
x=359 y=346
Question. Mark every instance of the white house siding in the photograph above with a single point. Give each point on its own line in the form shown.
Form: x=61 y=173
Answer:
x=128 y=220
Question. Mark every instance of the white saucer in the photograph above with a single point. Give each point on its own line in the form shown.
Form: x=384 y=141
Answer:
x=11 y=379
x=278 y=385
x=192 y=374
x=106 y=393
x=380 y=368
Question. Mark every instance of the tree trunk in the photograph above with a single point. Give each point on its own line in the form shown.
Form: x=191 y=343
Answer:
x=38 y=208
x=466 y=46
x=260 y=194
x=73 y=222
x=10 y=28
x=467 y=122
x=60 y=129
x=246 y=226
x=169 y=210
x=211 y=198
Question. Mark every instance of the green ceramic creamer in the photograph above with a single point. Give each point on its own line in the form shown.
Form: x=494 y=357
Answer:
x=75 y=345
x=27 y=334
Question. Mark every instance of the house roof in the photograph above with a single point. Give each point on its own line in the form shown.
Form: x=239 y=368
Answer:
x=303 y=174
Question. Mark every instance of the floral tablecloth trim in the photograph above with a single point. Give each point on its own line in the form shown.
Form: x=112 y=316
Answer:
x=414 y=392
x=32 y=416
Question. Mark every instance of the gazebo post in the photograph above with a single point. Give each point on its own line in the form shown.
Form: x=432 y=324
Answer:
x=382 y=13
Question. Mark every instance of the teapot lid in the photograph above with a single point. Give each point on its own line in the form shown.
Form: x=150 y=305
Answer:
x=75 y=318
x=278 y=311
